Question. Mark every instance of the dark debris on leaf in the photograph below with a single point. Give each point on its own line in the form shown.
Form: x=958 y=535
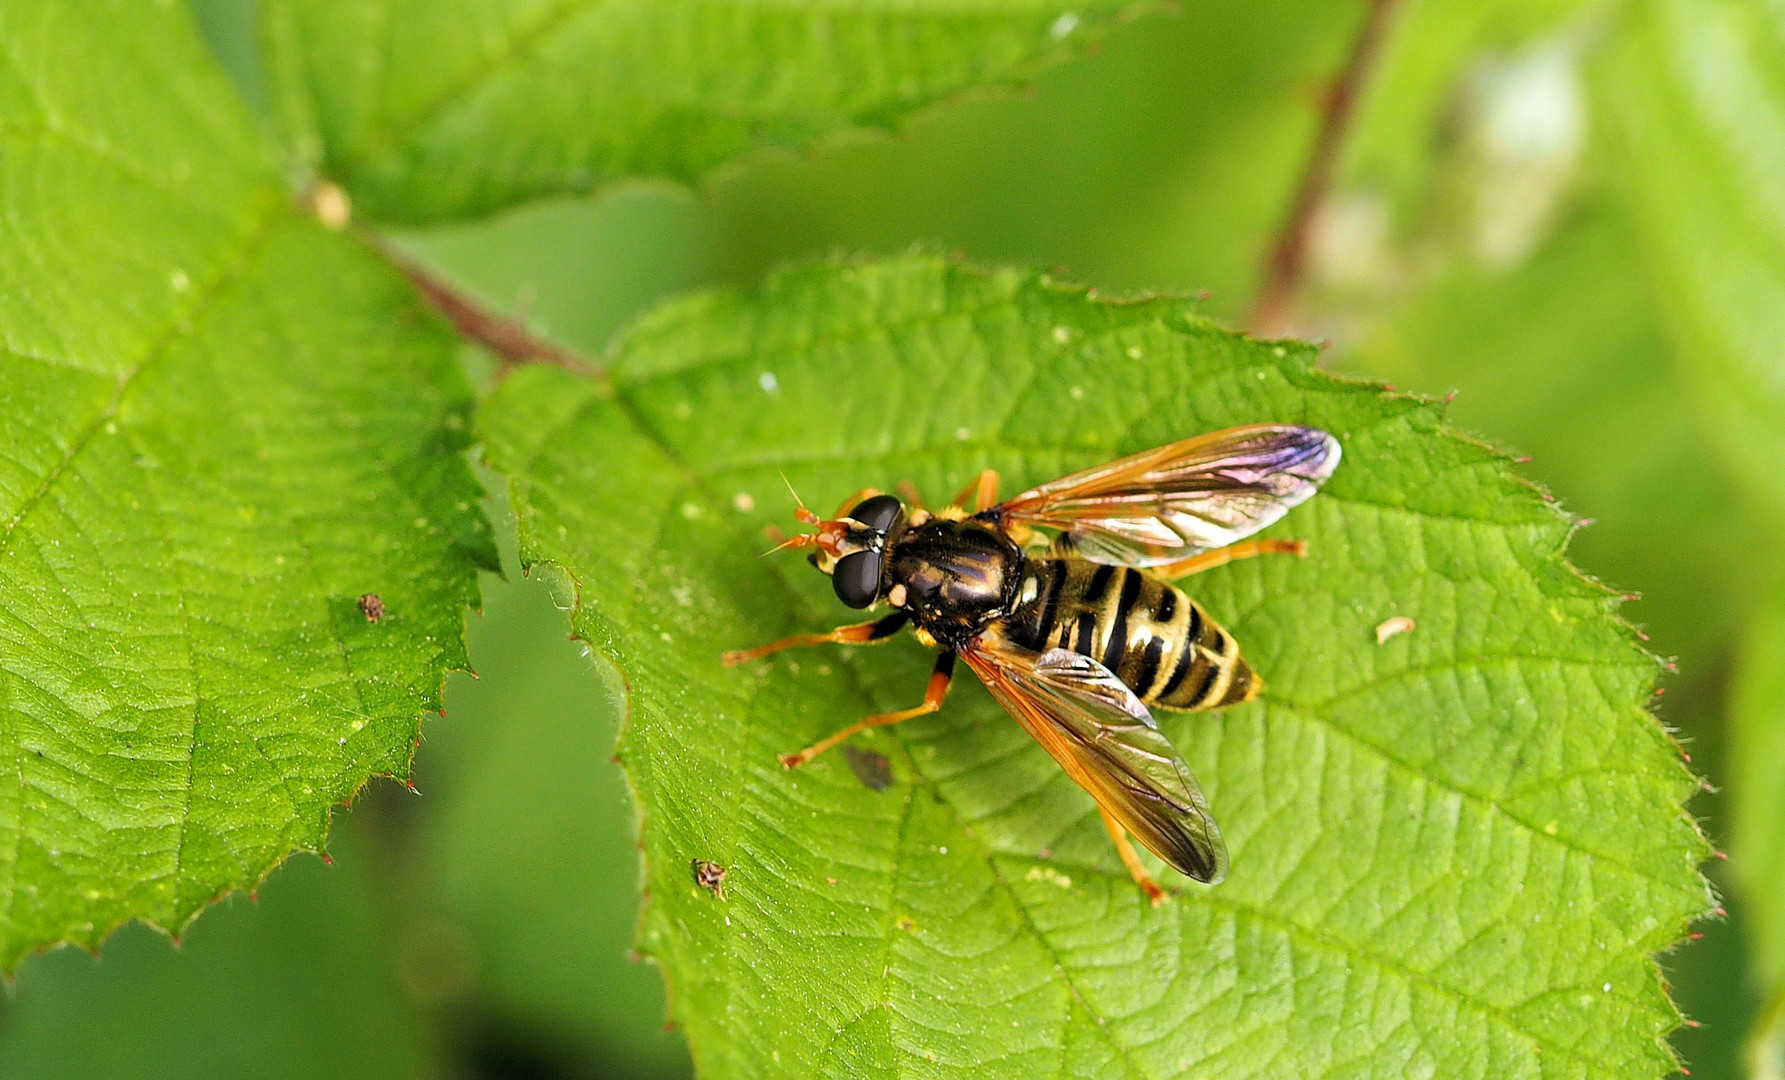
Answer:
x=870 y=767
x=710 y=876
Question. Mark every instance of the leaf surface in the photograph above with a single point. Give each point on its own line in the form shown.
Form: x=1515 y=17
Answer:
x=224 y=425
x=430 y=110
x=1452 y=854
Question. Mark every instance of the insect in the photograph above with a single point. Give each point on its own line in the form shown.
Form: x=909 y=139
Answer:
x=1080 y=637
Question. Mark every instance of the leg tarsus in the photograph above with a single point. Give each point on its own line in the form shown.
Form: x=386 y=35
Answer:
x=1245 y=549
x=932 y=700
x=856 y=634
x=1131 y=860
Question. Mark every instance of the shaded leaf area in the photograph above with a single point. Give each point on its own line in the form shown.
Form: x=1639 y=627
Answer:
x=431 y=111
x=295 y=984
x=225 y=426
x=1452 y=853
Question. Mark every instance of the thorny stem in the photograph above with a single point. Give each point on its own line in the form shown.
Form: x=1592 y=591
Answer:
x=511 y=341
x=1287 y=263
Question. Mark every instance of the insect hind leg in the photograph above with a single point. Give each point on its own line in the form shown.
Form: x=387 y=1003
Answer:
x=1246 y=549
x=937 y=689
x=1131 y=859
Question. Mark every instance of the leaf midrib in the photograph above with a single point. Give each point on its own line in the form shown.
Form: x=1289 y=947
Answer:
x=181 y=325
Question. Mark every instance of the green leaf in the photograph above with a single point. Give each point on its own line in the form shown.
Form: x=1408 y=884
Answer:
x=1452 y=853
x=428 y=110
x=224 y=426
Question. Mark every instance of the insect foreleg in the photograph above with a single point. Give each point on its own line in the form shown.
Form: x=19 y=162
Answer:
x=932 y=700
x=983 y=490
x=1131 y=859
x=1246 y=549
x=911 y=495
x=855 y=500
x=857 y=634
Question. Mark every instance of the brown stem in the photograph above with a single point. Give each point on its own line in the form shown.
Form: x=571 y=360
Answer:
x=511 y=341
x=1287 y=263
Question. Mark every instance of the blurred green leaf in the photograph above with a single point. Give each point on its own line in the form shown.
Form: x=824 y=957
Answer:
x=1408 y=112
x=530 y=840
x=224 y=425
x=298 y=985
x=1759 y=799
x=428 y=110
x=1697 y=88
x=1456 y=850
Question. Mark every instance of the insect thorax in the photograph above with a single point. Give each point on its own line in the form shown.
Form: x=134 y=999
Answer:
x=958 y=575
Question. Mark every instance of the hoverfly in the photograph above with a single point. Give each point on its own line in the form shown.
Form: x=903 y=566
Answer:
x=1078 y=637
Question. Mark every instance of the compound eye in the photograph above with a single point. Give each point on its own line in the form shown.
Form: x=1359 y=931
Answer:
x=878 y=513
x=857 y=578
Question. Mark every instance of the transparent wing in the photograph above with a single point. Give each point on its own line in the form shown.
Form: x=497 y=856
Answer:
x=1173 y=501
x=1103 y=736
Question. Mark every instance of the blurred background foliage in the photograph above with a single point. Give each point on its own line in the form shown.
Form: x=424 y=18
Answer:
x=1505 y=222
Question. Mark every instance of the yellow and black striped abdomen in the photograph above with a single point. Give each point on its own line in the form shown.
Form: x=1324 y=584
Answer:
x=1156 y=639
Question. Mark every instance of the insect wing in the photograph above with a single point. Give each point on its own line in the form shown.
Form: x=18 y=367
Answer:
x=1173 y=501
x=1105 y=739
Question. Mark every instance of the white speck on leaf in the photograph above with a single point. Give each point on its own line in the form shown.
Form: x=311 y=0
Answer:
x=768 y=382
x=963 y=434
x=179 y=281
x=1396 y=626
x=1063 y=26
x=1062 y=334
x=743 y=502
x=690 y=510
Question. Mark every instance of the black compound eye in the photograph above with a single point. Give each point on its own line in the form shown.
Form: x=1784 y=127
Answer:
x=857 y=578
x=878 y=513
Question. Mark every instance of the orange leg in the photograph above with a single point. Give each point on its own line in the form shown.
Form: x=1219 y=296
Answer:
x=1132 y=860
x=983 y=490
x=932 y=700
x=1246 y=549
x=859 y=634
